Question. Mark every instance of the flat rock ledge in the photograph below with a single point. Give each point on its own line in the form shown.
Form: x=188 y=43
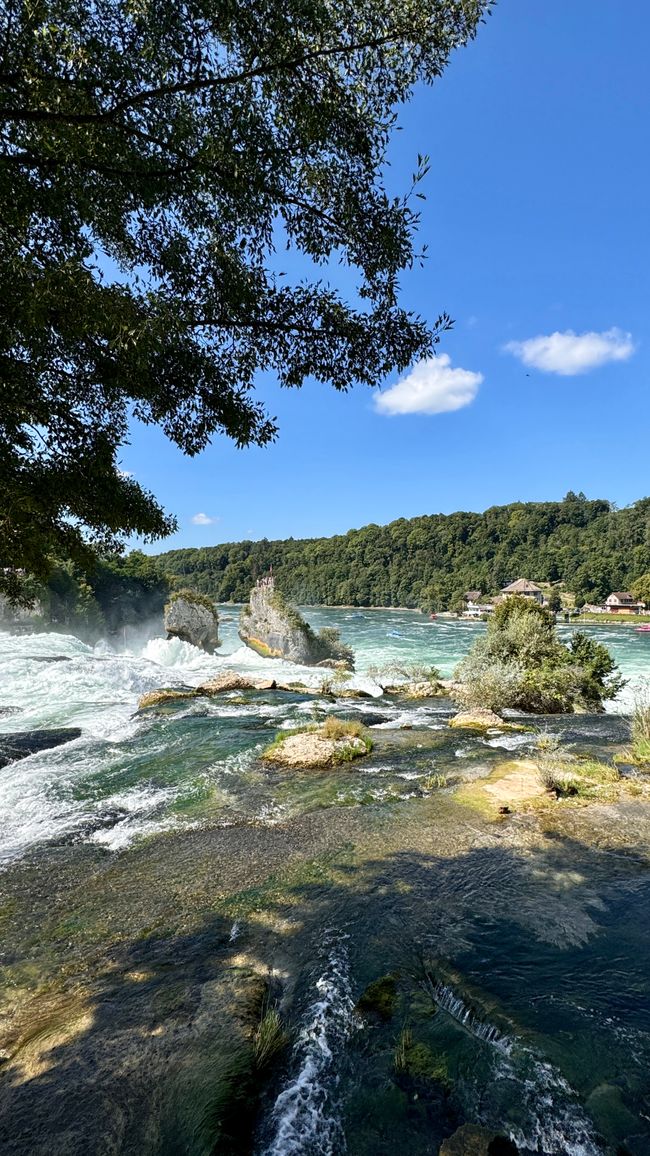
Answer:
x=416 y=690
x=309 y=750
x=230 y=681
x=479 y=719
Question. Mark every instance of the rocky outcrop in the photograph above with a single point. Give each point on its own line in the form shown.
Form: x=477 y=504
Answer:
x=276 y=630
x=415 y=690
x=192 y=618
x=311 y=749
x=23 y=743
x=479 y=719
x=160 y=697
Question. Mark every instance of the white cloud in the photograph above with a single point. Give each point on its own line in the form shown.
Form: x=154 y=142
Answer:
x=432 y=386
x=570 y=353
x=203 y=520
x=125 y=473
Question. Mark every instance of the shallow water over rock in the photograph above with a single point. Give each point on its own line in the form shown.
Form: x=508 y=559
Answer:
x=162 y=889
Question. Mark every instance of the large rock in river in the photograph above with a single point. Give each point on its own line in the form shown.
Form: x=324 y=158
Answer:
x=192 y=618
x=335 y=742
x=23 y=743
x=478 y=718
x=276 y=630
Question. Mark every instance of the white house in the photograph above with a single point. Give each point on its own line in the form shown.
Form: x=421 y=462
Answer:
x=622 y=602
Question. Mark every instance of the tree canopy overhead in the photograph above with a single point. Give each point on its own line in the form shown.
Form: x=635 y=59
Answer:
x=155 y=154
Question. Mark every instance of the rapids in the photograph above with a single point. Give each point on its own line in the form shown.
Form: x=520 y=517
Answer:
x=155 y=878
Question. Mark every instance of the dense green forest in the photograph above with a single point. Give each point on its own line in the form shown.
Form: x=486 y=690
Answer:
x=589 y=546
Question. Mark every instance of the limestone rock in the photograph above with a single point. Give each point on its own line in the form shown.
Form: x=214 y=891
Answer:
x=414 y=690
x=479 y=718
x=274 y=629
x=166 y=694
x=193 y=619
x=472 y=1140
x=231 y=680
x=308 y=750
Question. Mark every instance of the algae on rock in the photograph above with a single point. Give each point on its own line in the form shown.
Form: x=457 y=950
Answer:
x=274 y=629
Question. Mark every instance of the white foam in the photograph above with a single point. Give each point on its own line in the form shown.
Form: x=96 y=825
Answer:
x=304 y=1116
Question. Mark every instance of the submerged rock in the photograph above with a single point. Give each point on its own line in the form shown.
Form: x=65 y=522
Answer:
x=23 y=743
x=479 y=718
x=473 y=1140
x=193 y=618
x=274 y=629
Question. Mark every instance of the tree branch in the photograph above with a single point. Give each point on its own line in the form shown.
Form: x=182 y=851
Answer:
x=188 y=87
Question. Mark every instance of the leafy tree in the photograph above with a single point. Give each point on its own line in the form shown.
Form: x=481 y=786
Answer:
x=554 y=601
x=641 y=588
x=424 y=561
x=155 y=158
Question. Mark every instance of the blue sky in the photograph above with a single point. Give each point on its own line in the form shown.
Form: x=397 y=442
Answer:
x=536 y=220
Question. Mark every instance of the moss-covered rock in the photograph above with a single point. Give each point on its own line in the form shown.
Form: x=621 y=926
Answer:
x=336 y=741
x=274 y=629
x=380 y=998
x=473 y=1140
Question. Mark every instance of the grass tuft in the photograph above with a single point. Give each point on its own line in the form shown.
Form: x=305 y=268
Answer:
x=269 y=1039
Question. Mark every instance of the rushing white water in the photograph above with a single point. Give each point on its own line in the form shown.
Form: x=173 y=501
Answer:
x=554 y=1121
x=117 y=781
x=305 y=1120
x=444 y=997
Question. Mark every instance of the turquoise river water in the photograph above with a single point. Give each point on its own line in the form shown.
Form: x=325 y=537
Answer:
x=161 y=890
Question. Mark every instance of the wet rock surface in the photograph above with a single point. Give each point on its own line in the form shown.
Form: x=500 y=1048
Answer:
x=472 y=1140
x=23 y=743
x=312 y=750
x=477 y=718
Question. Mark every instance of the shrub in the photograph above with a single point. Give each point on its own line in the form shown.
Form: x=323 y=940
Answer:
x=330 y=637
x=567 y=775
x=405 y=672
x=640 y=752
x=338 y=728
x=486 y=682
x=521 y=663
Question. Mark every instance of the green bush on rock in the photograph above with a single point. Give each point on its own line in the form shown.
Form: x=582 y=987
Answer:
x=521 y=663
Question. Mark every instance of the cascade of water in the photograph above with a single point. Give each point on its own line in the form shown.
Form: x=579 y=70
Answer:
x=554 y=1120
x=304 y=1119
x=451 y=1003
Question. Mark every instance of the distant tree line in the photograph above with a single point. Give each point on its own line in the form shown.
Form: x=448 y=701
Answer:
x=590 y=547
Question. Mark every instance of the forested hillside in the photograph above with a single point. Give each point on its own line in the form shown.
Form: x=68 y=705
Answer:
x=430 y=561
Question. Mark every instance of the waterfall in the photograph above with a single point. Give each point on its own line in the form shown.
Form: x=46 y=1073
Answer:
x=446 y=999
